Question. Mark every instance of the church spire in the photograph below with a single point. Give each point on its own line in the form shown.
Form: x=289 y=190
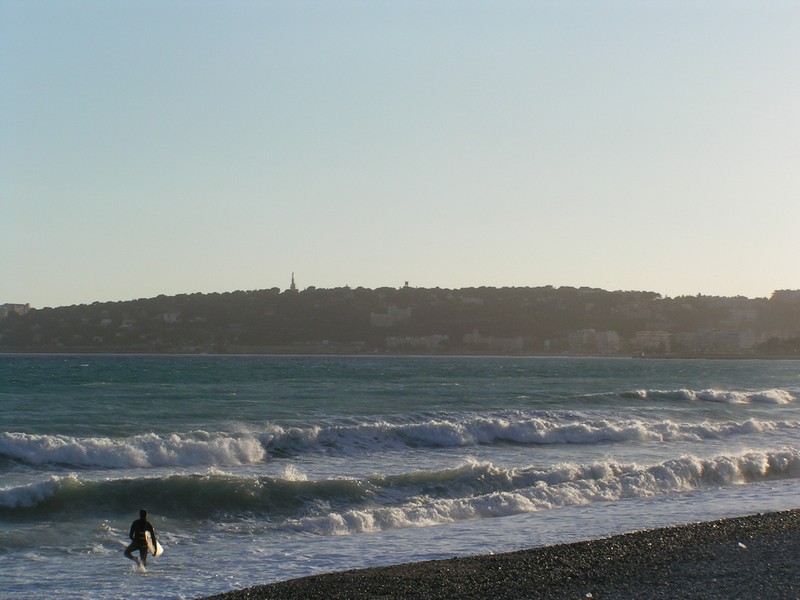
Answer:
x=293 y=287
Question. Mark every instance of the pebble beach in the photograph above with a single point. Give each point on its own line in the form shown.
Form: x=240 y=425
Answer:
x=754 y=557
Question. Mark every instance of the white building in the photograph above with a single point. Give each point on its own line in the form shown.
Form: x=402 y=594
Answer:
x=494 y=344
x=608 y=342
x=428 y=342
x=583 y=341
x=652 y=341
x=724 y=341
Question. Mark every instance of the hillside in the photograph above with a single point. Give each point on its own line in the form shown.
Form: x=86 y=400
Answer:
x=541 y=320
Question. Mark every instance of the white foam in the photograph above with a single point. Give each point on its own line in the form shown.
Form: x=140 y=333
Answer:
x=468 y=430
x=201 y=448
x=149 y=450
x=561 y=486
x=773 y=396
x=293 y=473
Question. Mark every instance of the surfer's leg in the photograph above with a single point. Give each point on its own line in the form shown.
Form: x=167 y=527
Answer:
x=143 y=556
x=129 y=553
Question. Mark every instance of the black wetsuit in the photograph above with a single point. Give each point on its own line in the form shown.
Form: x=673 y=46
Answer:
x=139 y=542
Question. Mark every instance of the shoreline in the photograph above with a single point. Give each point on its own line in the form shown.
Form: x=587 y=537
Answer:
x=285 y=353
x=756 y=557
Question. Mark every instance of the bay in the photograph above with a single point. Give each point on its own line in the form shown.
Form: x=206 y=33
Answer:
x=260 y=468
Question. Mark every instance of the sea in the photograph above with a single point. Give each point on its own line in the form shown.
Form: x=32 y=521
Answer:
x=255 y=469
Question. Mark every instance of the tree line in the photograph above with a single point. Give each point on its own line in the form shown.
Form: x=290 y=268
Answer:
x=341 y=320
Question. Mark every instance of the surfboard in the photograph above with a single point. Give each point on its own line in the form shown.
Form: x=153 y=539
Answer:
x=154 y=549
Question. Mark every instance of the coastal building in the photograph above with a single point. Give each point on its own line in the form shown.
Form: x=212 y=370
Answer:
x=428 y=342
x=583 y=341
x=494 y=344
x=714 y=341
x=734 y=341
x=589 y=341
x=608 y=342
x=652 y=341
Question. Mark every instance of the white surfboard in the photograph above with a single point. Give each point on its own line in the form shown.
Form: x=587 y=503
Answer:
x=156 y=550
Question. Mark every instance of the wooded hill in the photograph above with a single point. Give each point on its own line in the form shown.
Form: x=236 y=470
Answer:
x=540 y=320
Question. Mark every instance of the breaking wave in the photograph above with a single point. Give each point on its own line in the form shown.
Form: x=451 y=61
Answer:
x=773 y=396
x=220 y=449
x=340 y=506
x=149 y=450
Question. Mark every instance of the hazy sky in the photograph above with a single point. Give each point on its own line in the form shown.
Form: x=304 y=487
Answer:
x=164 y=147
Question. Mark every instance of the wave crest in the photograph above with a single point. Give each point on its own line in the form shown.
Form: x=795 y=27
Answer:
x=773 y=396
x=148 y=450
x=417 y=498
x=561 y=486
x=222 y=449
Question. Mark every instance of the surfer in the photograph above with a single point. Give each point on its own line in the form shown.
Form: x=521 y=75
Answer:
x=139 y=530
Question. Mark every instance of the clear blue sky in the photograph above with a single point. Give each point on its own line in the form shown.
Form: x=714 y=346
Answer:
x=161 y=147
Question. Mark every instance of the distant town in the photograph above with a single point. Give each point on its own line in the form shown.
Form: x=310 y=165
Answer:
x=408 y=320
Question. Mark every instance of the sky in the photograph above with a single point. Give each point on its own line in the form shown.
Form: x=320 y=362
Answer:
x=168 y=147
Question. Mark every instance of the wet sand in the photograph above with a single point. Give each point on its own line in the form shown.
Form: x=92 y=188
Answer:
x=755 y=557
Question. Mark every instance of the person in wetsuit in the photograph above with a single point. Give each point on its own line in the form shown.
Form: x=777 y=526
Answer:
x=138 y=540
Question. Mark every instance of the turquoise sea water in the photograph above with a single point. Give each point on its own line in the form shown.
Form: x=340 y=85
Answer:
x=259 y=468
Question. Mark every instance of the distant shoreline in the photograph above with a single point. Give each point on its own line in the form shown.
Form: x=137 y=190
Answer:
x=86 y=352
x=397 y=355
x=753 y=557
x=529 y=321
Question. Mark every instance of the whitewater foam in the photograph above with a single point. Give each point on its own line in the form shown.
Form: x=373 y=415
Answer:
x=343 y=505
x=773 y=396
x=223 y=449
x=142 y=451
x=473 y=430
x=566 y=485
